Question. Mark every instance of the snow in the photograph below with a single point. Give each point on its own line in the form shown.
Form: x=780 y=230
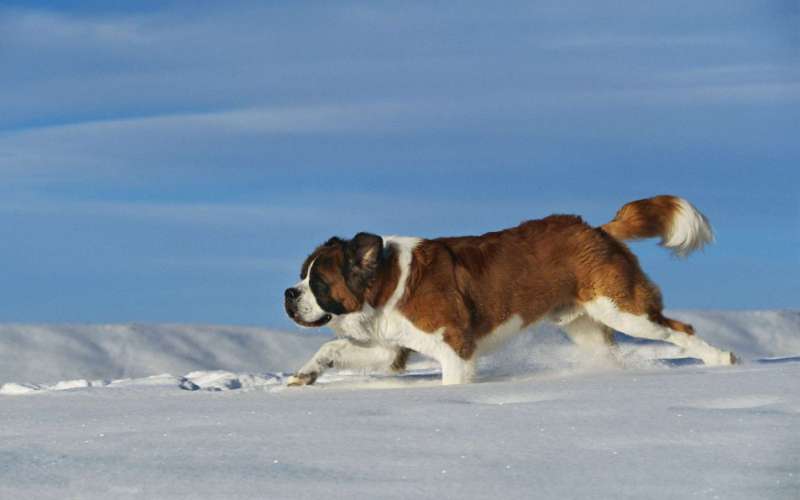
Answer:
x=40 y=353
x=177 y=411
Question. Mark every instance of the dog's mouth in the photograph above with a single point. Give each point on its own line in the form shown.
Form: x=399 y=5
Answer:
x=311 y=324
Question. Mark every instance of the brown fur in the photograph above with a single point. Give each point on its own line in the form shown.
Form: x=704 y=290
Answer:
x=329 y=262
x=385 y=282
x=646 y=218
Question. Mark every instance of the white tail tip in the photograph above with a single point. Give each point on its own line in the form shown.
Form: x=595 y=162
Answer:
x=689 y=231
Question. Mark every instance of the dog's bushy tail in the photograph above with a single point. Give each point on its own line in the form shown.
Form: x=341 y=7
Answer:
x=682 y=227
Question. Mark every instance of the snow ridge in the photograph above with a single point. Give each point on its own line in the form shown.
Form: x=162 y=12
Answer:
x=36 y=358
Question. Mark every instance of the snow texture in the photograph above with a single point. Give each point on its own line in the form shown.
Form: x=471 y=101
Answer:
x=171 y=411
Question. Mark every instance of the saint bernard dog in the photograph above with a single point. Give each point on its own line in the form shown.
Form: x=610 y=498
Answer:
x=454 y=298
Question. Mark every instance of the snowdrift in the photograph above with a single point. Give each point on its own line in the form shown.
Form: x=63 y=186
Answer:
x=48 y=353
x=102 y=353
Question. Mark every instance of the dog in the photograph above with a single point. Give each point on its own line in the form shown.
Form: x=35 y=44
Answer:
x=454 y=298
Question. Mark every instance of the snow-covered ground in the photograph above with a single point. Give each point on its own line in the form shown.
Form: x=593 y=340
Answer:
x=176 y=411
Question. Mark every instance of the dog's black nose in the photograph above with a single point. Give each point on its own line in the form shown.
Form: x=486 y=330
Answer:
x=291 y=293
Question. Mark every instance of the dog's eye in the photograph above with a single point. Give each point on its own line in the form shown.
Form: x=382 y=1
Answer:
x=319 y=286
x=323 y=293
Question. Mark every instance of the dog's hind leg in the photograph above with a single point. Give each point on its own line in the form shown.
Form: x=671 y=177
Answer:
x=592 y=337
x=655 y=326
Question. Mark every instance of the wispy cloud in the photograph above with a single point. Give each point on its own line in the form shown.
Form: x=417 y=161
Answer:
x=108 y=148
x=355 y=211
x=301 y=119
x=601 y=42
x=225 y=263
x=204 y=214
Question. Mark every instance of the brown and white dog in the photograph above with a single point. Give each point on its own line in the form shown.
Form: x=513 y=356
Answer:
x=454 y=298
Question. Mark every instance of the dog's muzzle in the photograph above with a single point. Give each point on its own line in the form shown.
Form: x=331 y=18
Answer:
x=291 y=296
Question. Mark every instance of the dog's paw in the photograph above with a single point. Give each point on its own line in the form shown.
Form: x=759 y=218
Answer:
x=301 y=379
x=728 y=358
x=400 y=360
x=722 y=358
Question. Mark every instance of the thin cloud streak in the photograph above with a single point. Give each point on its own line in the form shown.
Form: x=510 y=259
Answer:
x=349 y=206
x=636 y=42
x=107 y=148
x=301 y=119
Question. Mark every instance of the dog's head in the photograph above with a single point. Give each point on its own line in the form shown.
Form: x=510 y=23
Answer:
x=334 y=279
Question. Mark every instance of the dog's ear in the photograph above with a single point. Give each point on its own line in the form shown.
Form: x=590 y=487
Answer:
x=363 y=254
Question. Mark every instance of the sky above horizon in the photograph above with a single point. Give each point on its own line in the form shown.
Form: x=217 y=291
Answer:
x=176 y=161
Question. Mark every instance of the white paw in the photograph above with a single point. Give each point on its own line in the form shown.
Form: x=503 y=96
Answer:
x=301 y=379
x=722 y=358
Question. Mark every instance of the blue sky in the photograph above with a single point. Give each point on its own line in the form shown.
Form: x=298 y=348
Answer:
x=176 y=161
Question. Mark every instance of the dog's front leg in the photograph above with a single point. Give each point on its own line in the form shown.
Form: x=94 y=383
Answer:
x=343 y=353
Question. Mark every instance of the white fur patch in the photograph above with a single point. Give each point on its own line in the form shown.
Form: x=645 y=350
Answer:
x=307 y=307
x=405 y=246
x=357 y=325
x=689 y=230
x=501 y=333
x=586 y=332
